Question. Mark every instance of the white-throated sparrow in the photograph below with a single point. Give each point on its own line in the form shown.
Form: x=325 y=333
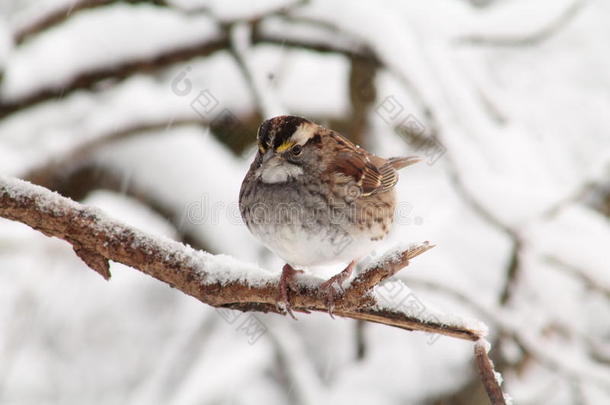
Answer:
x=313 y=197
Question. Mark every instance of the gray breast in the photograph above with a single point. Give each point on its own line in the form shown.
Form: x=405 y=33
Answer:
x=294 y=204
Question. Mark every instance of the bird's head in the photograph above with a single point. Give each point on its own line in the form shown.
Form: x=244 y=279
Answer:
x=286 y=146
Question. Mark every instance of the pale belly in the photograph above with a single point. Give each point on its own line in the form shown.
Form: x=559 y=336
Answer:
x=302 y=231
x=309 y=247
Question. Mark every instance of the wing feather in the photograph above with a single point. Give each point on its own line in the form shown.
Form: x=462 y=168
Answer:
x=371 y=173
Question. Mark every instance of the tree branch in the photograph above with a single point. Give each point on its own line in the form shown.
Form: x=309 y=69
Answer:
x=61 y=14
x=356 y=50
x=529 y=39
x=219 y=281
x=89 y=79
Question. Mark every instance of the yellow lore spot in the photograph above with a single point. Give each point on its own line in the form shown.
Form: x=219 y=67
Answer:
x=285 y=146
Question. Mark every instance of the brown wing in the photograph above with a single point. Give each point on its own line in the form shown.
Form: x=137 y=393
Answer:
x=371 y=173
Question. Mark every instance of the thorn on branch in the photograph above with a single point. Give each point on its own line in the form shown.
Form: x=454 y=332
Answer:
x=94 y=260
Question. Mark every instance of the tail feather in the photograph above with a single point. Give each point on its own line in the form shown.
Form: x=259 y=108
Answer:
x=400 y=162
x=388 y=175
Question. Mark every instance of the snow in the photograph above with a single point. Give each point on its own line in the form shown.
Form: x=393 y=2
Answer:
x=24 y=15
x=221 y=269
x=207 y=205
x=318 y=84
x=295 y=30
x=484 y=344
x=5 y=44
x=231 y=10
x=307 y=385
x=240 y=40
x=224 y=269
x=135 y=102
x=91 y=39
x=77 y=340
x=394 y=295
x=575 y=237
x=517 y=19
x=525 y=129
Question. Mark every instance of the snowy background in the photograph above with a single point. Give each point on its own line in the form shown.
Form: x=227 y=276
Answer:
x=149 y=109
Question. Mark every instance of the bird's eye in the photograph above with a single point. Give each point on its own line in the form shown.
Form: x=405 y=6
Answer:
x=296 y=150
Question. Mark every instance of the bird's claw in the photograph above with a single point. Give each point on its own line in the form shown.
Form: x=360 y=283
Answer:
x=285 y=308
x=286 y=282
x=333 y=288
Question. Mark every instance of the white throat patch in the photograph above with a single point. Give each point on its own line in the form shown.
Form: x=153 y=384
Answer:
x=278 y=171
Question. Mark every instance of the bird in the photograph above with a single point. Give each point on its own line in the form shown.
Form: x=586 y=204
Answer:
x=314 y=198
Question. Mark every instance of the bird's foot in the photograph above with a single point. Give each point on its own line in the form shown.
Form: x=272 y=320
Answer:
x=286 y=282
x=333 y=288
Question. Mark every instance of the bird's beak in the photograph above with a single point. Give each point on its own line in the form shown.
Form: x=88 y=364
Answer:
x=268 y=155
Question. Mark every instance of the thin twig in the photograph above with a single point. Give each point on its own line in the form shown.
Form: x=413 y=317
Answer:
x=587 y=278
x=297 y=372
x=487 y=373
x=512 y=271
x=534 y=38
x=59 y=15
x=44 y=173
x=240 y=45
x=89 y=79
x=260 y=35
x=531 y=342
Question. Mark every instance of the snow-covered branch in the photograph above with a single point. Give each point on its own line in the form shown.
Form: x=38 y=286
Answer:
x=217 y=280
x=87 y=80
x=61 y=14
